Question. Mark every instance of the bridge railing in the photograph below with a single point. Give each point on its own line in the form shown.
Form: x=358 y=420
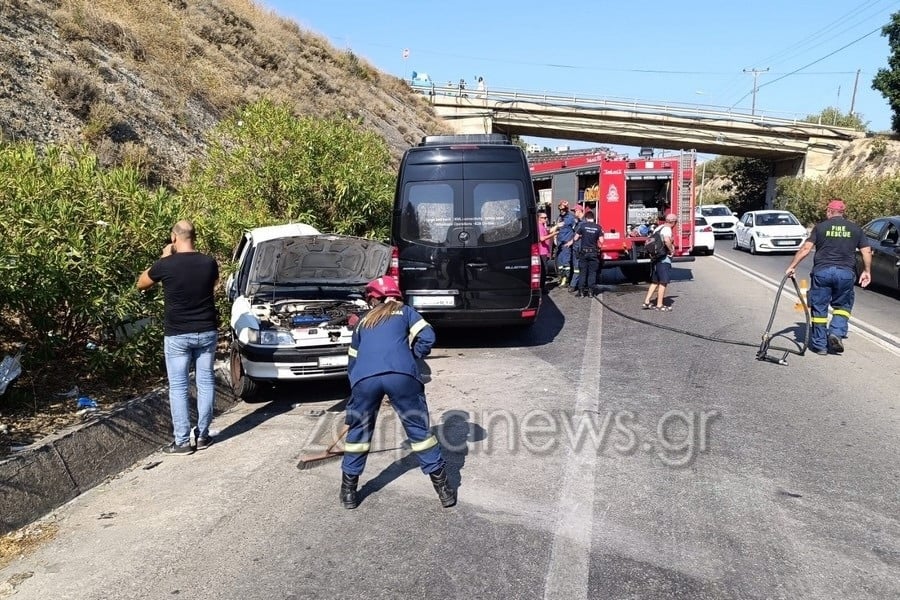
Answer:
x=696 y=110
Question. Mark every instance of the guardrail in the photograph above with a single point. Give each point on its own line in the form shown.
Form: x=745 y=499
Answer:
x=760 y=117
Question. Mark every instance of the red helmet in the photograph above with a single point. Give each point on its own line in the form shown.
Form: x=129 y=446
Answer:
x=383 y=287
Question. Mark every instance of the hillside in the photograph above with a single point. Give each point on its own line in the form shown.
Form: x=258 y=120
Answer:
x=143 y=81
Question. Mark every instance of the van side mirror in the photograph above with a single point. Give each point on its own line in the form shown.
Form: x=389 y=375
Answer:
x=888 y=243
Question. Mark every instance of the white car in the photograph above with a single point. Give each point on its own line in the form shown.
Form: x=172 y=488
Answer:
x=769 y=231
x=295 y=294
x=719 y=217
x=704 y=238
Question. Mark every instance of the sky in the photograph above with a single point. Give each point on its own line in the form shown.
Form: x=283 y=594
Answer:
x=806 y=53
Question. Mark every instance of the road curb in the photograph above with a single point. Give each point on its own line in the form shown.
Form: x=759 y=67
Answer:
x=46 y=475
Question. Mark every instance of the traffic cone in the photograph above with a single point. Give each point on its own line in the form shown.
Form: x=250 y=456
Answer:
x=804 y=288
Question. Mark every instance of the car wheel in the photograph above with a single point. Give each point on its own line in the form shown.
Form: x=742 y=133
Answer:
x=752 y=246
x=710 y=251
x=242 y=386
x=736 y=246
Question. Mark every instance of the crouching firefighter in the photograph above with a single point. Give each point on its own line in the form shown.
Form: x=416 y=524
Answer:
x=382 y=361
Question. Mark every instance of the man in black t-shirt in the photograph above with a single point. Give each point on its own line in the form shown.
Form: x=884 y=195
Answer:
x=833 y=274
x=191 y=322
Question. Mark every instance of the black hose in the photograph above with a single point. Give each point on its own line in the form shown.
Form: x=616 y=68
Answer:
x=767 y=337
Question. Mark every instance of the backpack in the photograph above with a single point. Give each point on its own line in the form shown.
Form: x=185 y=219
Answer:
x=654 y=247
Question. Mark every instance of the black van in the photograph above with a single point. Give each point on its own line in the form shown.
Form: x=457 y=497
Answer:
x=464 y=231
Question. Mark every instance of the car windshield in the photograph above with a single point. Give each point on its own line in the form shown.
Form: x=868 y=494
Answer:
x=715 y=211
x=774 y=219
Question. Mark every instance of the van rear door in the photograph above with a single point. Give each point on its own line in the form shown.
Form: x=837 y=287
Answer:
x=464 y=226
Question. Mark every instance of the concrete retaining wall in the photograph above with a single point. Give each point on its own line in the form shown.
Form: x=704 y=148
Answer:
x=40 y=478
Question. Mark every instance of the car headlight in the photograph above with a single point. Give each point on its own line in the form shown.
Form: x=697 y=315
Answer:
x=275 y=337
x=762 y=234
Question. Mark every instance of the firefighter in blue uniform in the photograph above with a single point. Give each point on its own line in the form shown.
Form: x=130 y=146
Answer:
x=574 y=286
x=834 y=271
x=564 y=240
x=587 y=237
x=386 y=343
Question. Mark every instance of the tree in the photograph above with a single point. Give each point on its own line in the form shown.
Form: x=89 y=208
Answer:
x=887 y=81
x=833 y=116
x=749 y=179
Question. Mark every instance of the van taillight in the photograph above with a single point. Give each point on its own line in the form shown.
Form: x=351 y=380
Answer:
x=394 y=269
x=535 y=266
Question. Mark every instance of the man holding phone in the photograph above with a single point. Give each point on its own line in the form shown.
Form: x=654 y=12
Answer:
x=191 y=322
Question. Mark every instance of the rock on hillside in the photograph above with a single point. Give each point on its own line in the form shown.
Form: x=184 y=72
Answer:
x=143 y=81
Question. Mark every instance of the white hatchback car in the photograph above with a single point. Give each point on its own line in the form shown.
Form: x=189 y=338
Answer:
x=704 y=238
x=719 y=217
x=294 y=294
x=769 y=231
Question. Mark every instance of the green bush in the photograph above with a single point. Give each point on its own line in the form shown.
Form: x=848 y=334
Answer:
x=75 y=239
x=866 y=198
x=265 y=165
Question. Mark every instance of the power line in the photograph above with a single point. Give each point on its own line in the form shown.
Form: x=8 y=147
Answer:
x=818 y=60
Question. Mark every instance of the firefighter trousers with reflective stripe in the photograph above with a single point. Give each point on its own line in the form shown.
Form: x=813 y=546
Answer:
x=830 y=286
x=407 y=396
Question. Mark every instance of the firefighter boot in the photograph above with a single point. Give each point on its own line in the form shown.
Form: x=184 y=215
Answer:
x=445 y=493
x=349 y=495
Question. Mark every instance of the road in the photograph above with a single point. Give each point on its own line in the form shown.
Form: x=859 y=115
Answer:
x=874 y=306
x=597 y=456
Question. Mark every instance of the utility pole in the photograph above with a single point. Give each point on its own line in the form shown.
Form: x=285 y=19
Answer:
x=853 y=97
x=756 y=73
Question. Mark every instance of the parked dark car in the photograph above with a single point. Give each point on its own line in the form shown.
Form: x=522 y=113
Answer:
x=884 y=237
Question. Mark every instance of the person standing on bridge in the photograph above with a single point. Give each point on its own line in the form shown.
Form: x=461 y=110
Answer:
x=836 y=241
x=384 y=349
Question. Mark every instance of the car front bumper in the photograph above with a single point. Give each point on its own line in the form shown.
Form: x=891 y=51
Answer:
x=286 y=364
x=777 y=245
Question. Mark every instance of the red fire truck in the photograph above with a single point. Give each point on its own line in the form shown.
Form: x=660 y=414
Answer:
x=624 y=193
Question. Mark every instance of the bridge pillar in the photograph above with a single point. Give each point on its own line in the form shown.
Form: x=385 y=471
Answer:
x=819 y=155
x=462 y=121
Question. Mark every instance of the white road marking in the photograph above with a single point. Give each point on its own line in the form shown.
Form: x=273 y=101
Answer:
x=878 y=336
x=569 y=568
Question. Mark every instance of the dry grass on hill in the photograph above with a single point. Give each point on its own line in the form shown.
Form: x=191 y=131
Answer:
x=142 y=81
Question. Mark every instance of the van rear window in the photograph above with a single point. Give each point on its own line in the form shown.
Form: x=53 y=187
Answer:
x=435 y=212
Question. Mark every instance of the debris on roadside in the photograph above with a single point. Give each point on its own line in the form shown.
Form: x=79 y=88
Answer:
x=10 y=369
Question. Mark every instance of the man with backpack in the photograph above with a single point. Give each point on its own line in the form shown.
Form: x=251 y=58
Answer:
x=661 y=272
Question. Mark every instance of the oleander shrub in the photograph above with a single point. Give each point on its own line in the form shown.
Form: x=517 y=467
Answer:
x=76 y=236
x=265 y=165
x=867 y=197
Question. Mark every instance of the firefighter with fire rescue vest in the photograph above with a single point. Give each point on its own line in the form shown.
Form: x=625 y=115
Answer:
x=564 y=239
x=588 y=235
x=836 y=241
x=386 y=344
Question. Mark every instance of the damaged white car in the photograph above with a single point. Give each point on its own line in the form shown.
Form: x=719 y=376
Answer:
x=293 y=296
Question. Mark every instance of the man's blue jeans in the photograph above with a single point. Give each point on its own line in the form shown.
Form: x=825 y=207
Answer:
x=183 y=351
x=834 y=286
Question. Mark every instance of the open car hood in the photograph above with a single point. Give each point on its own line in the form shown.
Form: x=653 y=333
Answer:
x=318 y=260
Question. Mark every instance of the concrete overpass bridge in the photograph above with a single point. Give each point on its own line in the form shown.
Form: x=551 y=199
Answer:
x=792 y=146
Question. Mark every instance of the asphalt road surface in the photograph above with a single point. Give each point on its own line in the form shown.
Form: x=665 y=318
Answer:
x=597 y=456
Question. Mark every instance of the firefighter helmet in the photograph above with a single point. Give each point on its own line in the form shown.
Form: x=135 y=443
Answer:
x=383 y=287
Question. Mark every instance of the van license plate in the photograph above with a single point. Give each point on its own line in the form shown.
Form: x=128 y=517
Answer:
x=430 y=301
x=339 y=360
